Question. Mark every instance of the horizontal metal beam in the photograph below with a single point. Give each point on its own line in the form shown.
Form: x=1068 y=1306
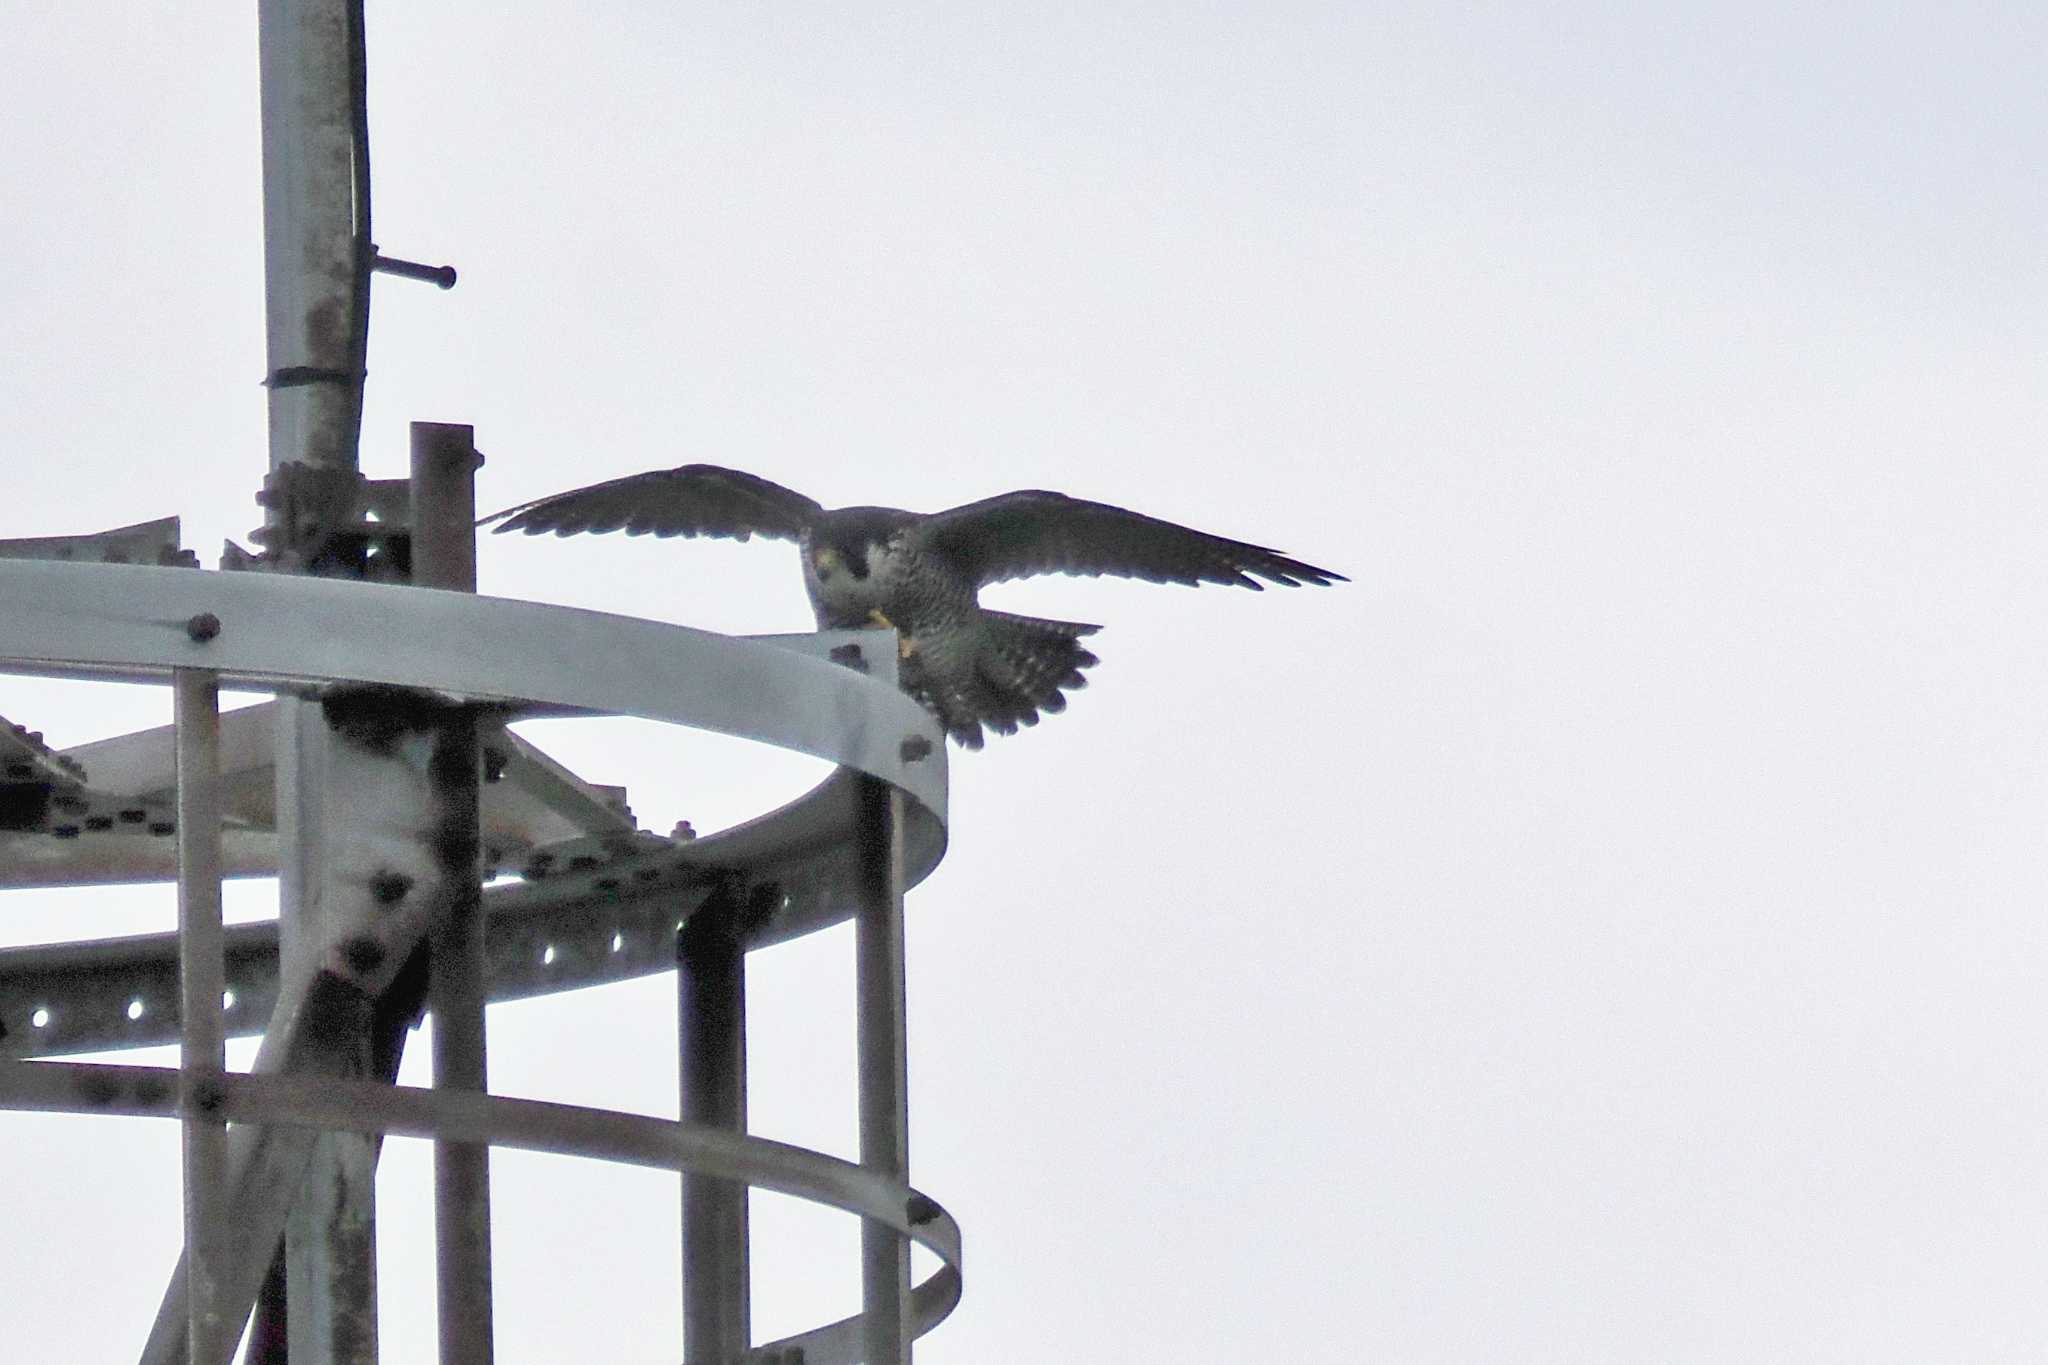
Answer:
x=146 y=542
x=110 y=805
x=269 y=630
x=579 y=925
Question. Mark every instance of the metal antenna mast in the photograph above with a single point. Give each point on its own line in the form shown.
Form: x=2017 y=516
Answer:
x=316 y=214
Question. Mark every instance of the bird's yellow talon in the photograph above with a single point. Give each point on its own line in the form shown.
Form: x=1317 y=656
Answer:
x=906 y=645
x=875 y=615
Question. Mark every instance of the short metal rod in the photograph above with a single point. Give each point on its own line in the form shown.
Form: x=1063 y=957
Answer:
x=711 y=1028
x=444 y=463
x=441 y=275
x=210 y=1335
x=884 y=1065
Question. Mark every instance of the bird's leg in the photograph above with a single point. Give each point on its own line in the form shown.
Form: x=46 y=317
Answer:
x=905 y=646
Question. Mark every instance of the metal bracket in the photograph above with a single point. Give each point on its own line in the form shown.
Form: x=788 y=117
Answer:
x=331 y=523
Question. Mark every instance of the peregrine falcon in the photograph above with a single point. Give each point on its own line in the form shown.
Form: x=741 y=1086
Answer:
x=921 y=573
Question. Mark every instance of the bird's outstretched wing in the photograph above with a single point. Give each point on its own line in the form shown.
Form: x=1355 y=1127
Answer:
x=1015 y=535
x=691 y=500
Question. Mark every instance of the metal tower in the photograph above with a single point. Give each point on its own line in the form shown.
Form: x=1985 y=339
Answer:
x=382 y=789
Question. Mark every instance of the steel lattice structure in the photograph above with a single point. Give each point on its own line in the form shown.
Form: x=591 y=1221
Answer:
x=382 y=790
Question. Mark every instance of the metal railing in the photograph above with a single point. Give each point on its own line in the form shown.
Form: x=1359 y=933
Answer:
x=440 y=661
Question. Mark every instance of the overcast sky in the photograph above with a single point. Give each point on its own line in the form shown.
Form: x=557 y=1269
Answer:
x=1609 y=929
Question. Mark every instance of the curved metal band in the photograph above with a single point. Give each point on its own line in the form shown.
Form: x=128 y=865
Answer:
x=277 y=628
x=131 y=622
x=532 y=1125
x=569 y=930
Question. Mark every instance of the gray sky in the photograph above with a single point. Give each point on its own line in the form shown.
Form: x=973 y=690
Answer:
x=1609 y=929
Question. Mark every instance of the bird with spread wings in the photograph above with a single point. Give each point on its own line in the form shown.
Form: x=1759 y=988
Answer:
x=920 y=573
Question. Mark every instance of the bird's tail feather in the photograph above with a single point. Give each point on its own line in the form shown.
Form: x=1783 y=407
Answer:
x=1024 y=666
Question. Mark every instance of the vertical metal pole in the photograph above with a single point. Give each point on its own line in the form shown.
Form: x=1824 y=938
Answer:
x=884 y=1066
x=210 y=1336
x=330 y=1234
x=444 y=462
x=711 y=1028
x=309 y=51
x=444 y=465
x=331 y=1248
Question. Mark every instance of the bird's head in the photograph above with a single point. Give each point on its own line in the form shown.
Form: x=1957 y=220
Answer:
x=854 y=541
x=833 y=559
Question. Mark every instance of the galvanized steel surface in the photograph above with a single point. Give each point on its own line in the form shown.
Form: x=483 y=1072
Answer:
x=109 y=802
x=612 y=919
x=532 y=1125
x=793 y=870
x=203 y=1055
x=444 y=464
x=882 y=1045
x=146 y=542
x=711 y=1036
x=315 y=316
x=277 y=630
